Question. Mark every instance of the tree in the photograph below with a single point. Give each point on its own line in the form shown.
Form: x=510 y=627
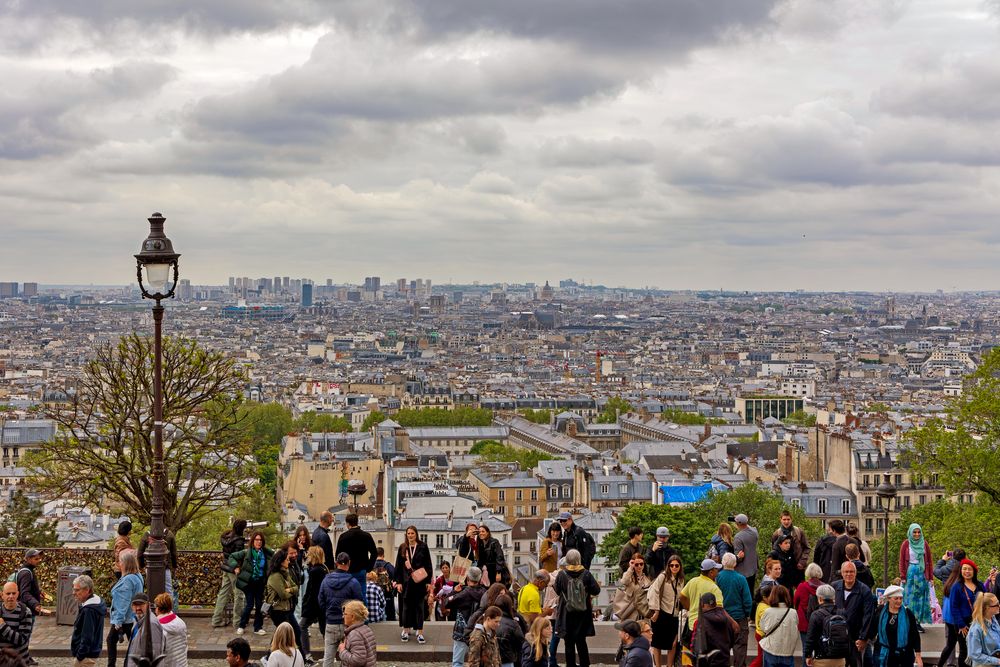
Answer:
x=616 y=405
x=102 y=453
x=762 y=506
x=689 y=532
x=23 y=525
x=268 y=424
x=491 y=451
x=373 y=419
x=800 y=418
x=258 y=504
x=314 y=422
x=537 y=416
x=961 y=447
x=413 y=417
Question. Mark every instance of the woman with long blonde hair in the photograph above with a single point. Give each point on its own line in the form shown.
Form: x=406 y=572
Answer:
x=535 y=650
x=722 y=543
x=284 y=652
x=984 y=631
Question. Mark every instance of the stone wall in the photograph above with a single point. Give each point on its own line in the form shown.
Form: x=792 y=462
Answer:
x=197 y=576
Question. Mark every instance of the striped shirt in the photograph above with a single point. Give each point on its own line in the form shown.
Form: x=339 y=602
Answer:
x=15 y=631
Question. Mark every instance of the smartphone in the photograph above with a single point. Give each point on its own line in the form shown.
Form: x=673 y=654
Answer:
x=730 y=519
x=949 y=554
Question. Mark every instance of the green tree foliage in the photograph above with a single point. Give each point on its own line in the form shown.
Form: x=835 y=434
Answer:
x=689 y=418
x=103 y=450
x=441 y=417
x=800 y=418
x=314 y=422
x=536 y=416
x=692 y=526
x=268 y=424
x=373 y=419
x=962 y=447
x=258 y=504
x=616 y=405
x=878 y=406
x=491 y=451
x=23 y=526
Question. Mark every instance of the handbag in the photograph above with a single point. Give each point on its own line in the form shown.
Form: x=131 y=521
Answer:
x=416 y=576
x=459 y=569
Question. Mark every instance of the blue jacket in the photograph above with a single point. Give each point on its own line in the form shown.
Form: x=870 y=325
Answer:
x=735 y=594
x=337 y=588
x=88 y=630
x=960 y=604
x=121 y=598
x=982 y=645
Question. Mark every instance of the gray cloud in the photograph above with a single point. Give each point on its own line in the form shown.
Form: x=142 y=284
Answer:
x=578 y=152
x=965 y=88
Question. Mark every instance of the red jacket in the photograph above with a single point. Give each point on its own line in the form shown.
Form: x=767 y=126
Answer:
x=904 y=561
x=802 y=594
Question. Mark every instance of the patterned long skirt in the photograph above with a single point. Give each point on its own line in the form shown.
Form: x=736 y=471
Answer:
x=916 y=593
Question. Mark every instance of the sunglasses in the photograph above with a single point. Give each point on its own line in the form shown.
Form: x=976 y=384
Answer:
x=673 y=565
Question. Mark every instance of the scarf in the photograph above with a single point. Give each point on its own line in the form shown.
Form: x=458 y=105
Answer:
x=916 y=546
x=902 y=634
x=257 y=558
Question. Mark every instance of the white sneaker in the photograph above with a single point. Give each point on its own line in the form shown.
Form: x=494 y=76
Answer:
x=239 y=631
x=261 y=632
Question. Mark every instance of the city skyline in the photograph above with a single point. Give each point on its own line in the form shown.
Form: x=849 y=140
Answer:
x=770 y=145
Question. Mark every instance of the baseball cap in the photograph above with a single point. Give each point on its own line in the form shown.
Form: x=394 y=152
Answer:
x=894 y=591
x=709 y=564
x=742 y=518
x=565 y=515
x=31 y=553
x=140 y=597
x=343 y=558
x=630 y=627
x=663 y=531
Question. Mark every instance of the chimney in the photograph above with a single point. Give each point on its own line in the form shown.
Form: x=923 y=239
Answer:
x=708 y=431
x=571 y=428
x=451 y=517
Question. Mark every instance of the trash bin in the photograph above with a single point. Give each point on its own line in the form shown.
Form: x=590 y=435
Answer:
x=66 y=605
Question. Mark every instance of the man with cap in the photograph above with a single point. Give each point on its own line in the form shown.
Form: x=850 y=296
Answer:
x=659 y=553
x=745 y=546
x=819 y=653
x=29 y=591
x=337 y=588
x=144 y=622
x=695 y=588
x=858 y=603
x=577 y=538
x=636 y=647
x=715 y=633
x=463 y=601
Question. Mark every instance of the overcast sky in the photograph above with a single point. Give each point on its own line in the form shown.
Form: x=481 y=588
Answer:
x=752 y=144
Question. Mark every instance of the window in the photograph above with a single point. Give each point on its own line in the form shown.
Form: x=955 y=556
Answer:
x=534 y=494
x=868 y=526
x=821 y=506
x=502 y=496
x=532 y=546
x=553 y=491
x=519 y=495
x=906 y=501
x=517 y=545
x=517 y=560
x=623 y=489
x=534 y=510
x=899 y=481
x=922 y=499
x=845 y=506
x=439 y=541
x=567 y=491
x=867 y=481
x=605 y=488
x=868 y=504
x=797 y=502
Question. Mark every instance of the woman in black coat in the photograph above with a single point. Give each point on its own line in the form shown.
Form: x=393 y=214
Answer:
x=510 y=634
x=575 y=626
x=491 y=555
x=412 y=556
x=311 y=613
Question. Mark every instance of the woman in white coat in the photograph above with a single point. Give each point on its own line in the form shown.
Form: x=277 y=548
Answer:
x=779 y=629
x=175 y=639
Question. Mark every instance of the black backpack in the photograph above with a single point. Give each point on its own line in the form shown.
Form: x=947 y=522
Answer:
x=835 y=640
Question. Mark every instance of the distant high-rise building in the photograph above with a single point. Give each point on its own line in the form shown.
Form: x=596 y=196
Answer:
x=401 y=285
x=184 y=291
x=276 y=285
x=232 y=283
x=30 y=289
x=285 y=280
x=373 y=283
x=329 y=282
x=8 y=290
x=307 y=295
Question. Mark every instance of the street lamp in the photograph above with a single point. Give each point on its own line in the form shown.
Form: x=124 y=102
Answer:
x=885 y=492
x=157 y=258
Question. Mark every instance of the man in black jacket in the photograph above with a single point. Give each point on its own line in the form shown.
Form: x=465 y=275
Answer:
x=813 y=647
x=823 y=553
x=88 y=629
x=360 y=546
x=858 y=603
x=463 y=603
x=659 y=553
x=321 y=539
x=232 y=541
x=577 y=538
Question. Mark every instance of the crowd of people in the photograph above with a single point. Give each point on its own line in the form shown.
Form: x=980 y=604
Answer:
x=819 y=601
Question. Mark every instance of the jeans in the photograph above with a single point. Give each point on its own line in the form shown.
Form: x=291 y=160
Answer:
x=304 y=631
x=361 y=576
x=228 y=593
x=169 y=579
x=254 y=599
x=778 y=660
x=506 y=664
x=334 y=635
x=279 y=617
x=553 y=646
x=113 y=636
x=458 y=652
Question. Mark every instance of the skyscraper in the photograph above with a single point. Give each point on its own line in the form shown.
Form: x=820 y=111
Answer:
x=30 y=289
x=307 y=295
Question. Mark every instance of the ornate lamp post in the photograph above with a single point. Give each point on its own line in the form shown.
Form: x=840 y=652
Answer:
x=157 y=258
x=885 y=492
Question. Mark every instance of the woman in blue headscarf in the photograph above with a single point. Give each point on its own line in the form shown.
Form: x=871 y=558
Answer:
x=916 y=569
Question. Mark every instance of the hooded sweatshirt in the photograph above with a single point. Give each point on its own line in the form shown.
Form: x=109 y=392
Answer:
x=88 y=630
x=337 y=588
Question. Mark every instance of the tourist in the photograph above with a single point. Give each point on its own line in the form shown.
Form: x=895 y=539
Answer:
x=855 y=535
x=535 y=650
x=772 y=572
x=171 y=561
x=800 y=547
x=664 y=602
x=695 y=588
x=897 y=641
x=803 y=592
x=386 y=580
x=551 y=550
x=28 y=588
x=483 y=648
x=321 y=538
x=123 y=541
x=574 y=537
x=284 y=651
x=721 y=543
x=463 y=603
x=761 y=604
x=491 y=558
x=358 y=647
x=444 y=579
x=715 y=634
x=738 y=603
x=858 y=603
x=468 y=544
x=916 y=572
x=232 y=541
x=864 y=572
x=282 y=589
x=122 y=619
x=15 y=622
x=636 y=647
x=337 y=588
x=659 y=552
x=948 y=562
x=630 y=549
x=238 y=653
x=299 y=568
x=250 y=567
x=826 y=643
x=88 y=629
x=175 y=638
x=782 y=553
x=575 y=622
x=779 y=628
x=360 y=546
x=551 y=601
x=374 y=599
x=632 y=597
x=311 y=612
x=984 y=632
x=838 y=553
x=413 y=572
x=960 y=591
x=745 y=544
x=823 y=553
x=145 y=626
x=510 y=633
x=529 y=601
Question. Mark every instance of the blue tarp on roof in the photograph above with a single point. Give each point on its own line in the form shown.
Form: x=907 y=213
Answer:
x=684 y=494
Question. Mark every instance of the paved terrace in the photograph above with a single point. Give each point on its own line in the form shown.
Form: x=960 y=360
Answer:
x=51 y=640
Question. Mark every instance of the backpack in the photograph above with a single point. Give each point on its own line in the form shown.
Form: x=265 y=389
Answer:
x=713 y=553
x=382 y=579
x=460 y=625
x=576 y=594
x=835 y=639
x=12 y=579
